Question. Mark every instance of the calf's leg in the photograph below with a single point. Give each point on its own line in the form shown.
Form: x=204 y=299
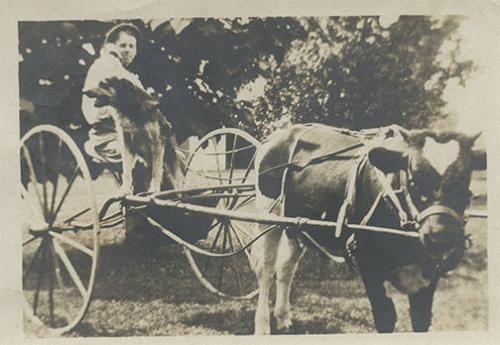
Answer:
x=265 y=250
x=383 y=310
x=421 y=307
x=289 y=255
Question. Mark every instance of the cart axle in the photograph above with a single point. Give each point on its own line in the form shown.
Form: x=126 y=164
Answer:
x=39 y=229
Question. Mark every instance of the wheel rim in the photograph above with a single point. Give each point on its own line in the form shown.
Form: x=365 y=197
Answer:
x=225 y=157
x=59 y=256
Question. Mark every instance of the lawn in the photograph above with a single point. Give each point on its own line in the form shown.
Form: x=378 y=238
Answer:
x=153 y=291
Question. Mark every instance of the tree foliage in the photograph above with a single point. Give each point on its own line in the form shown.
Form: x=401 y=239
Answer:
x=351 y=72
x=196 y=71
x=344 y=71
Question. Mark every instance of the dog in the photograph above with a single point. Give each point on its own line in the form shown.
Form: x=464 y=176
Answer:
x=145 y=135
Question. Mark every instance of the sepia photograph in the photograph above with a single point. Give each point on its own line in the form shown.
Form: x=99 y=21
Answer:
x=254 y=175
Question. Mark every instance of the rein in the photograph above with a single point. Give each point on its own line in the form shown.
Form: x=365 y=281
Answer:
x=314 y=160
x=412 y=220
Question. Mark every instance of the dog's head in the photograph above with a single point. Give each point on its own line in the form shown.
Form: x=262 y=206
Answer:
x=122 y=95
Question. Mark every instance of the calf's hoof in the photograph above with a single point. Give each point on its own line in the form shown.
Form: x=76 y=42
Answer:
x=262 y=327
x=283 y=326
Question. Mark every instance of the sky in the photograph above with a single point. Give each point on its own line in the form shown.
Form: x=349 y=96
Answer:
x=470 y=106
x=476 y=103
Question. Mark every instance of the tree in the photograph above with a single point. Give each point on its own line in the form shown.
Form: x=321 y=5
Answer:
x=344 y=71
x=351 y=72
x=195 y=71
x=199 y=70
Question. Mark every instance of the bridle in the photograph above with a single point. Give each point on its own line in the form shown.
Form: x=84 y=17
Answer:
x=412 y=219
x=410 y=189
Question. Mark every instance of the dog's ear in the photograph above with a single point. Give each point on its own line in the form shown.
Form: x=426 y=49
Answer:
x=105 y=93
x=102 y=96
x=92 y=93
x=109 y=86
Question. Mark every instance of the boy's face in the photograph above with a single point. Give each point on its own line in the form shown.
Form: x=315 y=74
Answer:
x=127 y=47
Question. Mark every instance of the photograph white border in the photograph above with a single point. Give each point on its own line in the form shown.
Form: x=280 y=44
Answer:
x=11 y=12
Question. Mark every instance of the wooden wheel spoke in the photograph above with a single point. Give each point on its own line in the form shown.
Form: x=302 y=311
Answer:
x=72 y=243
x=71 y=270
x=249 y=167
x=219 y=173
x=235 y=146
x=32 y=173
x=56 y=182
x=247 y=252
x=235 y=266
x=212 y=247
x=44 y=178
x=203 y=171
x=247 y=200
x=57 y=267
x=214 y=225
x=232 y=160
x=33 y=260
x=40 y=277
x=221 y=266
x=217 y=236
x=56 y=271
x=65 y=194
x=53 y=280
x=76 y=215
x=51 y=284
x=241 y=228
x=30 y=240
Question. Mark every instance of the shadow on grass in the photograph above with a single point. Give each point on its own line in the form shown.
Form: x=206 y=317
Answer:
x=145 y=274
x=241 y=323
x=85 y=329
x=315 y=326
x=233 y=322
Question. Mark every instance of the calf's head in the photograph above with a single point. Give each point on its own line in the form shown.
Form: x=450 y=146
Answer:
x=437 y=168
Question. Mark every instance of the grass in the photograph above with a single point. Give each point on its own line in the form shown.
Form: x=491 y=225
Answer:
x=153 y=292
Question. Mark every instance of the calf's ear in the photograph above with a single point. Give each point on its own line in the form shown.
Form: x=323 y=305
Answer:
x=386 y=160
x=479 y=160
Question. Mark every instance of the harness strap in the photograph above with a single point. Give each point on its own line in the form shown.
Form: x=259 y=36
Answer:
x=389 y=192
x=314 y=160
x=339 y=259
x=324 y=157
x=440 y=209
x=370 y=213
x=349 y=200
x=406 y=179
x=287 y=166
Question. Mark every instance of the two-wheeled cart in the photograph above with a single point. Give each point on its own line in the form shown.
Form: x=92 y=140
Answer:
x=213 y=214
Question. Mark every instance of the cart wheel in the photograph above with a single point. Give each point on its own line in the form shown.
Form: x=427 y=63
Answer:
x=225 y=157
x=60 y=231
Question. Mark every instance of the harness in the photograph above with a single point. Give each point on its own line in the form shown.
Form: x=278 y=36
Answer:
x=410 y=220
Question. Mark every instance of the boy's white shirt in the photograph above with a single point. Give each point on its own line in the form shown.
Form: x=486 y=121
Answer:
x=107 y=65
